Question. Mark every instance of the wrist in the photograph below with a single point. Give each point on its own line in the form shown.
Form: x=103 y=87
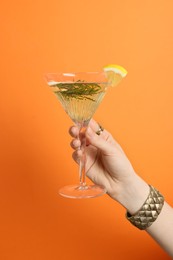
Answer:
x=132 y=193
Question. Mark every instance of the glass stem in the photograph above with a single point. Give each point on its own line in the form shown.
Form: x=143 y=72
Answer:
x=82 y=174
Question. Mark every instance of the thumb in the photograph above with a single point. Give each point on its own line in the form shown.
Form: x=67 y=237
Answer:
x=98 y=141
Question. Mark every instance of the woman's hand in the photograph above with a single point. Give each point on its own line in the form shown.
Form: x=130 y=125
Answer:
x=106 y=162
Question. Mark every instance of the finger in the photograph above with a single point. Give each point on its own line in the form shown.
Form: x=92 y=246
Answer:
x=77 y=156
x=96 y=140
x=97 y=127
x=75 y=144
x=74 y=131
x=94 y=125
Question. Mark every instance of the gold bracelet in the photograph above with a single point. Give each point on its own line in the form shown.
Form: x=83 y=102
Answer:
x=149 y=211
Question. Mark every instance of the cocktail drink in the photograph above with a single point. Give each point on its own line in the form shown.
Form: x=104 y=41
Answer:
x=80 y=95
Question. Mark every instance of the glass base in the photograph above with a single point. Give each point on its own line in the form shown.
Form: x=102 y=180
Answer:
x=82 y=192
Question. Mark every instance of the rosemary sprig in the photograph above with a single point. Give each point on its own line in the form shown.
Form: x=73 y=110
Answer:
x=79 y=89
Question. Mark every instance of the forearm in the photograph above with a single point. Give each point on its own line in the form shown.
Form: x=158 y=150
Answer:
x=162 y=229
x=133 y=196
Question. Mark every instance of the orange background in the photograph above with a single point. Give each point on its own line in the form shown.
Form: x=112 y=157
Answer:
x=35 y=156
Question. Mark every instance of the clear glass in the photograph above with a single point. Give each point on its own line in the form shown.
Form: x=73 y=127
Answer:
x=80 y=95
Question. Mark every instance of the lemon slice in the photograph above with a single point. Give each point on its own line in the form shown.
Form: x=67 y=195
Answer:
x=114 y=74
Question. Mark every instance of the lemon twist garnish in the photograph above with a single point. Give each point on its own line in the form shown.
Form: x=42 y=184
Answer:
x=114 y=74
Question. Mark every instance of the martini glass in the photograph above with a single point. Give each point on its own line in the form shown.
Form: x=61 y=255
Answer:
x=80 y=95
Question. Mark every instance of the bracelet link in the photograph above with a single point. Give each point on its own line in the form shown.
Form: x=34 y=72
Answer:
x=149 y=211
